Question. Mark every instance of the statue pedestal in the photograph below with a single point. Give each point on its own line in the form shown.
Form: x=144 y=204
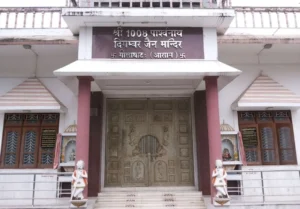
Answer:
x=79 y=203
x=219 y=202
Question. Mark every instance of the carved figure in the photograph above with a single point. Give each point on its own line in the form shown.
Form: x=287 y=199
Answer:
x=79 y=182
x=219 y=180
x=166 y=136
x=136 y=151
x=226 y=155
x=113 y=147
x=160 y=170
x=132 y=135
x=72 y=156
x=161 y=151
x=139 y=175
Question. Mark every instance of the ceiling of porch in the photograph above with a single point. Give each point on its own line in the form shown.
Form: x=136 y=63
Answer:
x=19 y=62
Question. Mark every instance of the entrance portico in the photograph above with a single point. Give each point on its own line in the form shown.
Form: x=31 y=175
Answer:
x=147 y=74
x=123 y=82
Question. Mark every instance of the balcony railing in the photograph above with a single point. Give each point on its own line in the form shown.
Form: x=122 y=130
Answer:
x=51 y=18
x=245 y=187
x=29 y=18
x=193 y=4
x=255 y=17
x=33 y=189
x=264 y=187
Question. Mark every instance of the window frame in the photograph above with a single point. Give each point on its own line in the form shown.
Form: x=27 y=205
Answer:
x=4 y=143
x=22 y=128
x=274 y=124
x=21 y=158
x=274 y=141
x=294 y=161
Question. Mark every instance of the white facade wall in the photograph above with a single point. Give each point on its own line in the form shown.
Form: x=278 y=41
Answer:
x=287 y=184
x=13 y=73
x=287 y=78
x=59 y=90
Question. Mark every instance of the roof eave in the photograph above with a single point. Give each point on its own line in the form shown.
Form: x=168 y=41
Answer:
x=22 y=109
x=264 y=106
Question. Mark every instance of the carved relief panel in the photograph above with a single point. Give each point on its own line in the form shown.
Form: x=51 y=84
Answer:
x=149 y=143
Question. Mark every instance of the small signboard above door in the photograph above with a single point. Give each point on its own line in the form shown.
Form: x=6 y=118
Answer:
x=147 y=43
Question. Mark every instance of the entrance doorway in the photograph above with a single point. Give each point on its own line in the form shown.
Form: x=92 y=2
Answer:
x=149 y=143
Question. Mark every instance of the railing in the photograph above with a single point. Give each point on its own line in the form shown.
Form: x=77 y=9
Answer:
x=200 y=4
x=35 y=189
x=245 y=187
x=267 y=18
x=33 y=18
x=50 y=18
x=264 y=187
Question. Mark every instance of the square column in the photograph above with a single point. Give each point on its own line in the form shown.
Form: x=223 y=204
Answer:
x=213 y=124
x=83 y=122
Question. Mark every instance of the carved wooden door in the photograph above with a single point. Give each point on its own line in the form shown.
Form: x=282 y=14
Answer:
x=149 y=143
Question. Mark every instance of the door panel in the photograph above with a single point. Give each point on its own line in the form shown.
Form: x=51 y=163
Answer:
x=149 y=143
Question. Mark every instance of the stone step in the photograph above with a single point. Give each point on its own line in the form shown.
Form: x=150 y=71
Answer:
x=150 y=199
x=170 y=194
x=151 y=207
x=168 y=199
x=154 y=205
x=161 y=197
x=202 y=206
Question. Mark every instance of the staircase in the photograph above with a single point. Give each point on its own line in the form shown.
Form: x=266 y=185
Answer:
x=154 y=199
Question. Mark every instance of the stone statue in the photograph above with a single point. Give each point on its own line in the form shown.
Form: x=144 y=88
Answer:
x=219 y=180
x=79 y=181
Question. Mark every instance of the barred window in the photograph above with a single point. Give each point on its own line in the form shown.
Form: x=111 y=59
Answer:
x=29 y=140
x=268 y=137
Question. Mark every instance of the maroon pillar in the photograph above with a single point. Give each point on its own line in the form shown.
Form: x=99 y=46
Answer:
x=213 y=123
x=202 y=142
x=83 y=122
x=95 y=143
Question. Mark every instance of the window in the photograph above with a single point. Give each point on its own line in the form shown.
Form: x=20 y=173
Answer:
x=29 y=140
x=268 y=137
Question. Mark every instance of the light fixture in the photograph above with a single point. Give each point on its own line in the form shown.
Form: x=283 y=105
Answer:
x=27 y=46
x=268 y=46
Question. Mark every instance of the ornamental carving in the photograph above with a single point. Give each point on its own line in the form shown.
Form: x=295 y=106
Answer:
x=133 y=135
x=149 y=143
x=138 y=171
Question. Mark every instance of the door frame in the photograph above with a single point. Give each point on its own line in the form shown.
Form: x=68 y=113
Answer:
x=104 y=133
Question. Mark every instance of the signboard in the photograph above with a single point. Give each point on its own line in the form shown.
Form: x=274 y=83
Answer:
x=249 y=136
x=48 y=138
x=148 y=43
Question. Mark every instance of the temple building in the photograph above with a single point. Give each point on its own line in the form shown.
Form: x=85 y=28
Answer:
x=149 y=94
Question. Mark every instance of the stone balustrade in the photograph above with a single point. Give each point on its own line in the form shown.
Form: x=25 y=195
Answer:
x=246 y=18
